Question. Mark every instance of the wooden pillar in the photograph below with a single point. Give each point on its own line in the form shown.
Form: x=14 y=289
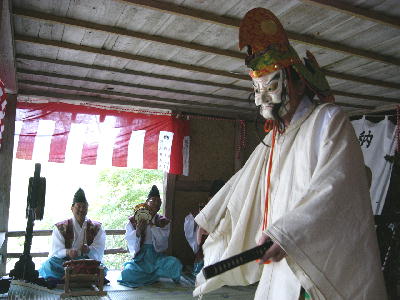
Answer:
x=169 y=206
x=6 y=157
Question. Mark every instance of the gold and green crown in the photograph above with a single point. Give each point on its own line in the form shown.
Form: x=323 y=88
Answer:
x=269 y=51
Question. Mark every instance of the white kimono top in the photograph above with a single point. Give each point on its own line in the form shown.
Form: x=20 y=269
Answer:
x=319 y=213
x=96 y=248
x=156 y=236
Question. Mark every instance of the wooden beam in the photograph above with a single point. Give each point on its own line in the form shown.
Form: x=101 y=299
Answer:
x=310 y=40
x=45 y=254
x=150 y=60
x=358 y=12
x=328 y=73
x=115 y=251
x=366 y=97
x=131 y=72
x=234 y=22
x=147 y=98
x=193 y=186
x=125 y=32
x=7 y=48
x=185 y=12
x=52 y=96
x=6 y=158
x=169 y=198
x=386 y=84
x=379 y=109
x=131 y=85
x=174 y=42
x=354 y=105
x=49 y=232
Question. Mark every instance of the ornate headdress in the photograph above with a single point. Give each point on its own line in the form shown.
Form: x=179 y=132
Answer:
x=269 y=50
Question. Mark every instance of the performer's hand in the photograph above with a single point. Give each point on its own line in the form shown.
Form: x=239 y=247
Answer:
x=200 y=233
x=85 y=249
x=72 y=253
x=274 y=253
x=140 y=228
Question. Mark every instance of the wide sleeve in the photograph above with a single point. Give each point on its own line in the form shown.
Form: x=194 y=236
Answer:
x=160 y=237
x=96 y=249
x=329 y=235
x=132 y=240
x=58 y=244
x=190 y=227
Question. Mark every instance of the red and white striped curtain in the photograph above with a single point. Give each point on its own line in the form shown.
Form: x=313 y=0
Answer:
x=68 y=133
x=3 y=103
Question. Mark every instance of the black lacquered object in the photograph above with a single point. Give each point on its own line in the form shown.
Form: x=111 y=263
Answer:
x=236 y=260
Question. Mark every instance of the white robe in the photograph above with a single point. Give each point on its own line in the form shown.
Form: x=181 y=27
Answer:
x=96 y=248
x=157 y=236
x=319 y=213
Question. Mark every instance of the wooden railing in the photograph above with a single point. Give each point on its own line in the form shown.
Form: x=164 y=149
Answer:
x=49 y=232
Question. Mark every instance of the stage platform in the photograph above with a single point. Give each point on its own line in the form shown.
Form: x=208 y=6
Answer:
x=164 y=289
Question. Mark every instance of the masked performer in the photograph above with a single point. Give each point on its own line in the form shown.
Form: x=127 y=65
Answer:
x=147 y=238
x=191 y=230
x=304 y=187
x=76 y=238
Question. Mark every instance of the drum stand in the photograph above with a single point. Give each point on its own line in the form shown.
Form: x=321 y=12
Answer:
x=86 y=284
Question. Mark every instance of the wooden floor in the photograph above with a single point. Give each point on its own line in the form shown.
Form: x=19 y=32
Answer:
x=165 y=289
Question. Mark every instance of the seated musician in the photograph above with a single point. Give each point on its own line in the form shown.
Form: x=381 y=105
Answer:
x=190 y=227
x=73 y=239
x=147 y=238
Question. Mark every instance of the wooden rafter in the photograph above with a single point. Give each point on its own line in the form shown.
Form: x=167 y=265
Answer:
x=366 y=97
x=147 y=98
x=130 y=85
x=328 y=73
x=125 y=32
x=150 y=60
x=358 y=12
x=7 y=50
x=339 y=93
x=379 y=109
x=186 y=12
x=130 y=72
x=190 y=103
x=193 y=46
x=234 y=22
x=236 y=114
x=183 y=92
x=386 y=84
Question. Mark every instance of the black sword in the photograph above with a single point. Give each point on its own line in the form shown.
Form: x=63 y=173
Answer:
x=236 y=260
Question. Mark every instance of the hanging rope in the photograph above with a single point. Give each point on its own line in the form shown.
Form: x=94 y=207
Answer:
x=242 y=138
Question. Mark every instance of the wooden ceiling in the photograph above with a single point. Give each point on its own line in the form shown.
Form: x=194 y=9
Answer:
x=182 y=55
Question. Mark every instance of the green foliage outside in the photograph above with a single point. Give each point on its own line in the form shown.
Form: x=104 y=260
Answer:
x=122 y=189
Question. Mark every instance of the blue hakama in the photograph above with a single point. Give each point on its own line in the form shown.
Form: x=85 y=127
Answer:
x=148 y=266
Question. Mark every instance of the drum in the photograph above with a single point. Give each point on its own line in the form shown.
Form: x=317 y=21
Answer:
x=83 y=266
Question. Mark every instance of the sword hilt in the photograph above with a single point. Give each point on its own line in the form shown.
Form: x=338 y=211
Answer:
x=236 y=260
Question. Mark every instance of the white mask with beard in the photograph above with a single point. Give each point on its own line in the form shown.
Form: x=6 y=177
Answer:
x=268 y=93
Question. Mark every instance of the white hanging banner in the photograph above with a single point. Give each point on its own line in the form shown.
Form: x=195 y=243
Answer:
x=377 y=140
